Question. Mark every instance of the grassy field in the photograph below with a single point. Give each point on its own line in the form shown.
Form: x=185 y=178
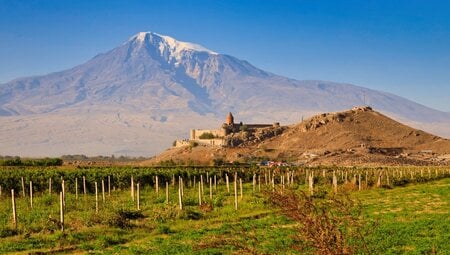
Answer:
x=414 y=219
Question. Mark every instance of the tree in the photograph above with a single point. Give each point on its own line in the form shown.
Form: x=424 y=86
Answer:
x=207 y=135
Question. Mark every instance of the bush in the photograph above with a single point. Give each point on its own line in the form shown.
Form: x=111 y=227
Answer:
x=218 y=162
x=190 y=214
x=401 y=182
x=122 y=218
x=5 y=232
x=193 y=144
x=330 y=224
x=207 y=135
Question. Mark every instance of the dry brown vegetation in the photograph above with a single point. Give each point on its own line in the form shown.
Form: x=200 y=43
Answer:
x=328 y=224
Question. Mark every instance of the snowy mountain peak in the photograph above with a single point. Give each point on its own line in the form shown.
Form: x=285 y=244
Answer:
x=137 y=98
x=164 y=42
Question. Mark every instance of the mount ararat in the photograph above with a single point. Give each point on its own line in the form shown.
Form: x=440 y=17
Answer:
x=137 y=98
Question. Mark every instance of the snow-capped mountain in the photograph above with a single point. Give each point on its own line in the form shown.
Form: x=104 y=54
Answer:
x=137 y=98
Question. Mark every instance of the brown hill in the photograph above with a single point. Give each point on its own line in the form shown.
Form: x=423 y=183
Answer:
x=359 y=136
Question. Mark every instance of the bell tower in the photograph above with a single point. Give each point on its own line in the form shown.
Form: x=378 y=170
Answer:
x=230 y=119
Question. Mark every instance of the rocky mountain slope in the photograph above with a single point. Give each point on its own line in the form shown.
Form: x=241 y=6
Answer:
x=359 y=136
x=137 y=98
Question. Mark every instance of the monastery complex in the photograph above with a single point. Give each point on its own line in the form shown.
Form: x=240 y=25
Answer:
x=218 y=137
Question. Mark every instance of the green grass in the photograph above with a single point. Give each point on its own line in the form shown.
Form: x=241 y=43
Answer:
x=164 y=230
x=410 y=220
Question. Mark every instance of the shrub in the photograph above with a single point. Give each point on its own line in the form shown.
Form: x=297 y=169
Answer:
x=218 y=162
x=401 y=182
x=5 y=232
x=122 y=217
x=190 y=214
x=162 y=214
x=193 y=144
x=207 y=135
x=331 y=224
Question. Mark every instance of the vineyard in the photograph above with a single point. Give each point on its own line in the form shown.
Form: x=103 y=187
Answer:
x=143 y=210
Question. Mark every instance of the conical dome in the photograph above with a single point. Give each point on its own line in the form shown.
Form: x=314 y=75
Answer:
x=230 y=119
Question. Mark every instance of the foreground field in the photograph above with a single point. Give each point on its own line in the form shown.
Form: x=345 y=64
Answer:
x=414 y=219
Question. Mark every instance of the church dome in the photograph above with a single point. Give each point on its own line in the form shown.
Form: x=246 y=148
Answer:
x=230 y=119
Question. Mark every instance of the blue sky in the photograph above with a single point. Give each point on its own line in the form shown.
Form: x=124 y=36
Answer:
x=402 y=47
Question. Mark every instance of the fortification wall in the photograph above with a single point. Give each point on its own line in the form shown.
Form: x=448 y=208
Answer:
x=181 y=143
x=196 y=133
x=212 y=142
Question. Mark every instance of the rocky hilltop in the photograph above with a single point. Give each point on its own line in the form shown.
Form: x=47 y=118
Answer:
x=360 y=136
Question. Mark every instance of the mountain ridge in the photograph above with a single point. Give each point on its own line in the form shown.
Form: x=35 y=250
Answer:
x=148 y=83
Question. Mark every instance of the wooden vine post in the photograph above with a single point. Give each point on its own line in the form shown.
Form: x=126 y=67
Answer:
x=199 y=194
x=181 y=183
x=23 y=187
x=109 y=185
x=61 y=210
x=311 y=184
x=379 y=180
x=13 y=201
x=76 y=188
x=359 y=181
x=96 y=198
x=103 y=191
x=31 y=194
x=167 y=193
x=50 y=186
x=240 y=185
x=84 y=186
x=235 y=193
x=132 y=188
x=201 y=183
x=335 y=183
x=180 y=199
x=210 y=188
x=138 y=196
x=63 y=189
x=366 y=179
